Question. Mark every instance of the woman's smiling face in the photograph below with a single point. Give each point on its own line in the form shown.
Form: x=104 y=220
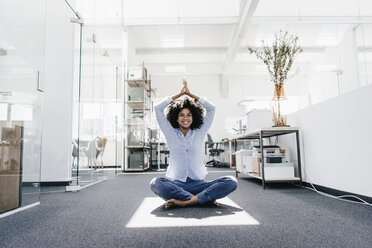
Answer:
x=184 y=118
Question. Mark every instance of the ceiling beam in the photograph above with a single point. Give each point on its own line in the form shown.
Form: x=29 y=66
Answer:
x=183 y=50
x=239 y=32
x=212 y=73
x=116 y=22
x=3 y=52
x=145 y=21
x=311 y=19
x=181 y=20
x=209 y=50
x=366 y=49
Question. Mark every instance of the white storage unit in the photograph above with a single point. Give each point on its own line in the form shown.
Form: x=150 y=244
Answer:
x=239 y=161
x=244 y=161
x=276 y=171
x=137 y=73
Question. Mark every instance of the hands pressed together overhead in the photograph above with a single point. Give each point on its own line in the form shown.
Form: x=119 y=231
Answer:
x=185 y=91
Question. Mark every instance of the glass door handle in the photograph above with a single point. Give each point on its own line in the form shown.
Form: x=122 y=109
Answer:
x=38 y=88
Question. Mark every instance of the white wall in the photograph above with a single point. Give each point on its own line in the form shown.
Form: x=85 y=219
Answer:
x=57 y=120
x=336 y=137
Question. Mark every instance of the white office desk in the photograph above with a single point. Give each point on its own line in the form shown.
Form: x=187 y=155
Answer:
x=268 y=132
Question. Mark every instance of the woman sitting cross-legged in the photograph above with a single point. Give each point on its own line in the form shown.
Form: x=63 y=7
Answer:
x=185 y=126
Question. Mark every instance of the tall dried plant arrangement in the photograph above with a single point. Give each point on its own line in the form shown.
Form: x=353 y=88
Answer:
x=278 y=59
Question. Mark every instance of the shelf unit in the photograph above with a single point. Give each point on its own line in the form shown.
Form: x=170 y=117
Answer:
x=283 y=179
x=262 y=133
x=137 y=118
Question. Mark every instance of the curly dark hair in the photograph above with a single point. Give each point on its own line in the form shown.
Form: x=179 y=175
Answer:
x=196 y=109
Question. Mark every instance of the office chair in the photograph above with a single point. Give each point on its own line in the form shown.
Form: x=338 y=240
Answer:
x=214 y=151
x=100 y=148
x=94 y=152
x=166 y=158
x=90 y=153
x=76 y=151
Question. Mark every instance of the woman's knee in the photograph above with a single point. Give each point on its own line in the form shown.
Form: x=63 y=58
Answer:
x=233 y=183
x=153 y=182
x=157 y=182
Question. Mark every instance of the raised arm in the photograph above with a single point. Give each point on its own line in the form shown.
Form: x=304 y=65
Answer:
x=210 y=111
x=209 y=107
x=164 y=124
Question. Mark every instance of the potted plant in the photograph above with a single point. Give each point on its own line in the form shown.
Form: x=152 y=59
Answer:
x=278 y=59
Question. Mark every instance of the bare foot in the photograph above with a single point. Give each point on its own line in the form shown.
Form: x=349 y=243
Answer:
x=213 y=204
x=178 y=203
x=174 y=203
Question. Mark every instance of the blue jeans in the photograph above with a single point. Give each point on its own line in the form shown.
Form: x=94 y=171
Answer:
x=204 y=190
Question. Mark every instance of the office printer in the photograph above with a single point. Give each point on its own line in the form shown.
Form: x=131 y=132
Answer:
x=272 y=153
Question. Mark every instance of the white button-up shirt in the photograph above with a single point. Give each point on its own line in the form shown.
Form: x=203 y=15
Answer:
x=185 y=151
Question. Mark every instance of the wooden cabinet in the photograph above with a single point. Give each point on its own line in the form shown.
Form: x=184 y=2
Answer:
x=10 y=168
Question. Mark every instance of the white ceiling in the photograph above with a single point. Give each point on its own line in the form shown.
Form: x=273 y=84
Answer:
x=197 y=33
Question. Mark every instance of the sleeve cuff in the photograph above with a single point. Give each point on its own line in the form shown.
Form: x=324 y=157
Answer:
x=202 y=100
x=169 y=99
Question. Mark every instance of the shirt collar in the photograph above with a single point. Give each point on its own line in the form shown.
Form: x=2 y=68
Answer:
x=188 y=133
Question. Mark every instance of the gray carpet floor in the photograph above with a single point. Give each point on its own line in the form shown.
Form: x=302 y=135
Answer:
x=96 y=217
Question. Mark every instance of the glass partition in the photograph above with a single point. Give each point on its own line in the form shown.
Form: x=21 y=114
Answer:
x=368 y=51
x=118 y=120
x=86 y=111
x=96 y=118
x=363 y=41
x=22 y=50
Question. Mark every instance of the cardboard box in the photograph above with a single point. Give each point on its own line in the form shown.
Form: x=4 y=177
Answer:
x=256 y=166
